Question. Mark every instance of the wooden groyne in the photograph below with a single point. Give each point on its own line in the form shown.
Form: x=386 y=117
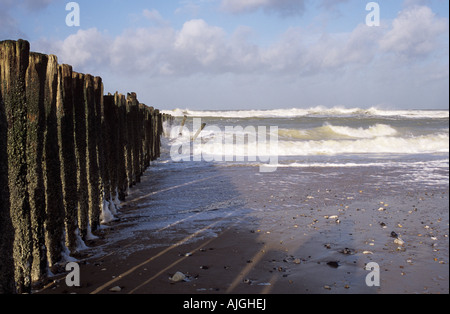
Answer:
x=68 y=154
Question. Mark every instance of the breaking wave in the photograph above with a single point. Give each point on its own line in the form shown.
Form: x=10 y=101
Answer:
x=313 y=112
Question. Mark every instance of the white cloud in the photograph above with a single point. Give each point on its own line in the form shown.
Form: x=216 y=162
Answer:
x=86 y=49
x=143 y=50
x=201 y=43
x=414 y=32
x=201 y=48
x=198 y=56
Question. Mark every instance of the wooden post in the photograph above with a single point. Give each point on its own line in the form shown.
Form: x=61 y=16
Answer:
x=109 y=142
x=54 y=223
x=15 y=58
x=182 y=125
x=198 y=132
x=66 y=143
x=63 y=147
x=92 y=162
x=6 y=227
x=81 y=152
x=35 y=85
x=121 y=109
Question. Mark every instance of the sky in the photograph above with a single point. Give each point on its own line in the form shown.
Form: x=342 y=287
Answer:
x=248 y=54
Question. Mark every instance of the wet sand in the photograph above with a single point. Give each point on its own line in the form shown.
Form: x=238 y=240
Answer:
x=232 y=230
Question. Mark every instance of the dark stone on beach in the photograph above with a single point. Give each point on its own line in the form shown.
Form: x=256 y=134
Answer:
x=333 y=264
x=394 y=235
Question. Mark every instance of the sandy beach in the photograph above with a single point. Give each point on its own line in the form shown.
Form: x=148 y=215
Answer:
x=233 y=230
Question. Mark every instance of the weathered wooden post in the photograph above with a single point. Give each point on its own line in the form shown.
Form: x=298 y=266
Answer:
x=35 y=86
x=121 y=108
x=54 y=223
x=152 y=133
x=6 y=228
x=109 y=152
x=147 y=136
x=198 y=132
x=182 y=125
x=141 y=130
x=103 y=187
x=66 y=143
x=158 y=131
x=91 y=158
x=129 y=140
x=135 y=138
x=81 y=152
x=64 y=148
x=15 y=58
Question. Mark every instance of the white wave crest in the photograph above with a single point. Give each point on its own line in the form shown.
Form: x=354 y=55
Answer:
x=315 y=111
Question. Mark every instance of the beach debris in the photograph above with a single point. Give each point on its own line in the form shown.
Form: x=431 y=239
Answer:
x=333 y=264
x=382 y=224
x=204 y=267
x=381 y=209
x=397 y=238
x=326 y=287
x=115 y=289
x=179 y=276
x=367 y=252
x=399 y=241
x=347 y=251
x=327 y=245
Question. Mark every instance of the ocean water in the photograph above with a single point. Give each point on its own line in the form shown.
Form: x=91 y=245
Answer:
x=413 y=143
x=345 y=162
x=219 y=179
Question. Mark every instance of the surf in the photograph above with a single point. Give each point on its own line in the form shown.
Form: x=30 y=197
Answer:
x=318 y=111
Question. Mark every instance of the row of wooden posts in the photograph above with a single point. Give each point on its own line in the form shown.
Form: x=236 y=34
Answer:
x=67 y=151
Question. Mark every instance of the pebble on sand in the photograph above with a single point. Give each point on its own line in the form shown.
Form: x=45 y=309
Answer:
x=115 y=289
x=179 y=276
